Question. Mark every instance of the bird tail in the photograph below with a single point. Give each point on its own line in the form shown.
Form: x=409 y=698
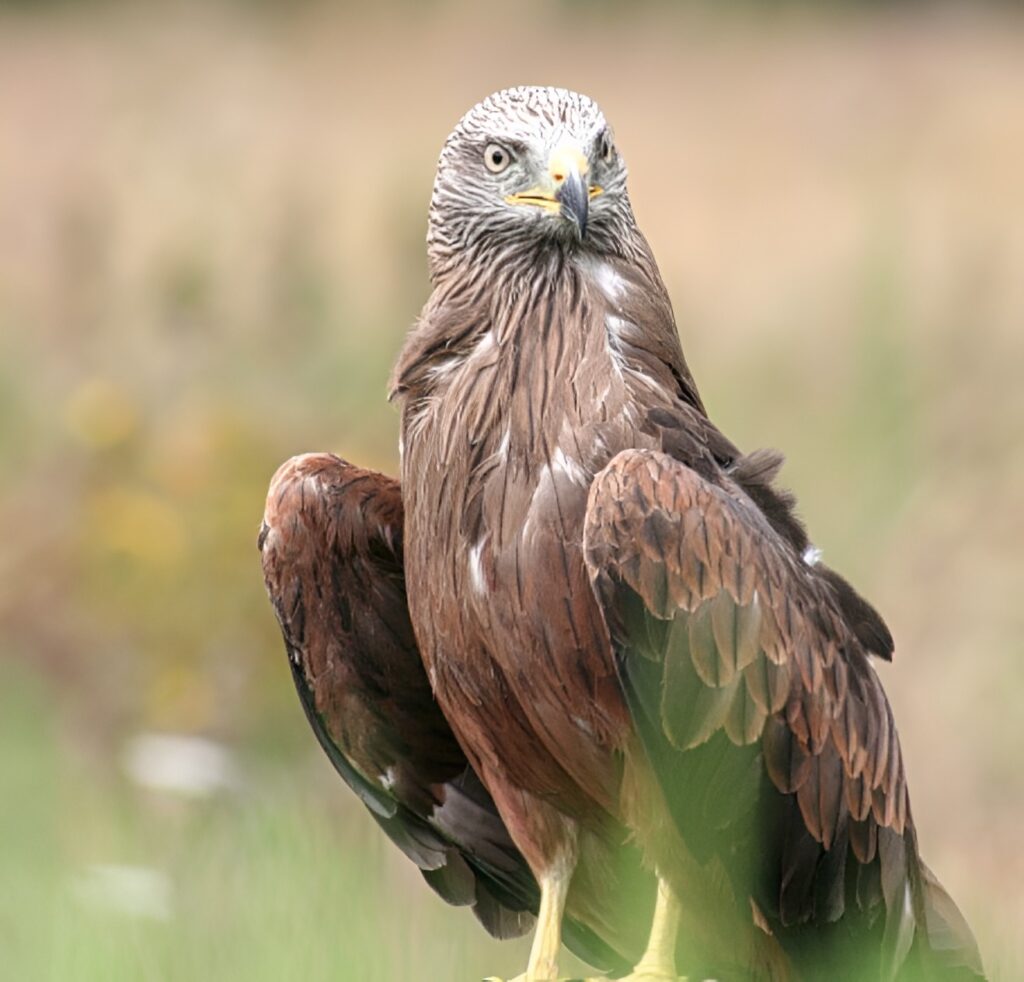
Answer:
x=944 y=947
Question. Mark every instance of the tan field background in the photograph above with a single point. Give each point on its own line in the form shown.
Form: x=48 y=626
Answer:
x=211 y=245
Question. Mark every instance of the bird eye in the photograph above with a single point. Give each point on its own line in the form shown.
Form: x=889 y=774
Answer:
x=605 y=148
x=496 y=158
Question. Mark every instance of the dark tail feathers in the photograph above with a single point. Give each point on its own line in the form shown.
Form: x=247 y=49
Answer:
x=945 y=949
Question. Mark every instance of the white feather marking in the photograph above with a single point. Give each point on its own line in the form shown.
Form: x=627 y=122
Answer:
x=583 y=725
x=441 y=369
x=812 y=555
x=611 y=284
x=476 y=571
x=562 y=463
x=503 y=446
x=387 y=779
x=545 y=482
x=616 y=327
x=417 y=420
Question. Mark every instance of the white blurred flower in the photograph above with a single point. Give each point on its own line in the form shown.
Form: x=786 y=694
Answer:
x=137 y=891
x=186 y=765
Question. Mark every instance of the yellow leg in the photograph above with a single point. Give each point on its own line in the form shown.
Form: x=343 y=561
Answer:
x=659 y=960
x=547 y=938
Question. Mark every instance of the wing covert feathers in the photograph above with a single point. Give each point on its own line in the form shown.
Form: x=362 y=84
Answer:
x=725 y=638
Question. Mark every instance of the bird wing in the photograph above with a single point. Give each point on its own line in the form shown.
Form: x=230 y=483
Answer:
x=331 y=549
x=760 y=712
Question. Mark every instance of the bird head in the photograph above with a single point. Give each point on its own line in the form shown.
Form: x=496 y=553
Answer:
x=526 y=166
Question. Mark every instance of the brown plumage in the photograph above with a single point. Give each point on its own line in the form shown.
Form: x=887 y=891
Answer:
x=331 y=549
x=621 y=617
x=767 y=726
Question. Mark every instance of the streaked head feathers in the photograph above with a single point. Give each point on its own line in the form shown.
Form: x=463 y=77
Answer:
x=524 y=164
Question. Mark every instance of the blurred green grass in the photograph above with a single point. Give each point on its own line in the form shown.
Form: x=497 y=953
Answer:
x=274 y=881
x=211 y=245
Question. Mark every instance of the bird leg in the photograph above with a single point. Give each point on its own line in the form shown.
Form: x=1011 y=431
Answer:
x=658 y=963
x=547 y=938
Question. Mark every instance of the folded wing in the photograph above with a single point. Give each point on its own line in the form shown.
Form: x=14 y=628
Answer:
x=753 y=694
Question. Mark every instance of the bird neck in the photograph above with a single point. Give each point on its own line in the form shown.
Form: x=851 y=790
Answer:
x=503 y=317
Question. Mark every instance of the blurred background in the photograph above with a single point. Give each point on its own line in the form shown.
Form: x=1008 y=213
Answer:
x=211 y=245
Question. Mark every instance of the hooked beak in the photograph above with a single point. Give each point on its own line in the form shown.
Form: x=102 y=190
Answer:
x=574 y=197
x=566 y=192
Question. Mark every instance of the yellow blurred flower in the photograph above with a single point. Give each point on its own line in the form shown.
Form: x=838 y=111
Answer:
x=140 y=524
x=100 y=414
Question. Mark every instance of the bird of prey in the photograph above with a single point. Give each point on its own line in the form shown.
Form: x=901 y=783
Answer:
x=622 y=620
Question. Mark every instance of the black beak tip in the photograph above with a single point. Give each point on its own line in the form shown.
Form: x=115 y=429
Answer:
x=574 y=198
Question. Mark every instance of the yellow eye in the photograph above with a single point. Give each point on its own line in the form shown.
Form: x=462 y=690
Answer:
x=496 y=158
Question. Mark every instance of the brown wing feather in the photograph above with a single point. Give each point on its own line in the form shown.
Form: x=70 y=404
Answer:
x=332 y=561
x=759 y=656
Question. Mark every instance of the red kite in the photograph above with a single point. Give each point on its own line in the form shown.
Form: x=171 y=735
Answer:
x=622 y=620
